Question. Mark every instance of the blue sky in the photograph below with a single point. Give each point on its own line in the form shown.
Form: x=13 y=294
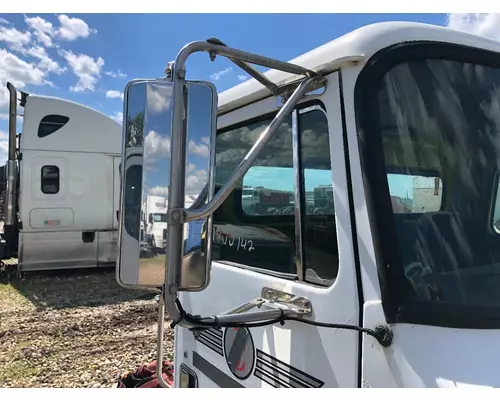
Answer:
x=140 y=45
x=89 y=58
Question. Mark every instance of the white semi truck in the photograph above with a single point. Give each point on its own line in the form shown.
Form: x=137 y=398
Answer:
x=155 y=216
x=62 y=185
x=396 y=299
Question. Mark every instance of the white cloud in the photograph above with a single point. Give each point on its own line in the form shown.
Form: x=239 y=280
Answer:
x=4 y=21
x=158 y=191
x=117 y=74
x=69 y=29
x=45 y=62
x=86 y=68
x=43 y=30
x=217 y=75
x=114 y=94
x=156 y=146
x=200 y=149
x=18 y=71
x=4 y=101
x=158 y=98
x=196 y=181
x=205 y=139
x=4 y=146
x=242 y=77
x=14 y=38
x=487 y=25
x=73 y=28
x=118 y=117
x=19 y=41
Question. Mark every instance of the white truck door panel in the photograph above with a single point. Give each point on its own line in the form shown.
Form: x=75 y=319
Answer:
x=294 y=354
x=66 y=201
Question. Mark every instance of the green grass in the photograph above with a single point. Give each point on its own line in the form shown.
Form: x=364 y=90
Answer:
x=20 y=369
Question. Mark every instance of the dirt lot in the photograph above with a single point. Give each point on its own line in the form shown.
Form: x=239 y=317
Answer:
x=74 y=329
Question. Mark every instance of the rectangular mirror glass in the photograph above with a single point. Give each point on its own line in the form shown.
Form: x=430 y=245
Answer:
x=145 y=170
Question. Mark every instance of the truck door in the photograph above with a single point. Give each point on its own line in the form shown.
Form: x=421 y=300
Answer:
x=296 y=248
x=108 y=239
x=116 y=190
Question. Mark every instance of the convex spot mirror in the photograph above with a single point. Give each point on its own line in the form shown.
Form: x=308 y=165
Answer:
x=146 y=162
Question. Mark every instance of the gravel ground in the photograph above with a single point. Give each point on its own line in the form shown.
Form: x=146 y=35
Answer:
x=74 y=329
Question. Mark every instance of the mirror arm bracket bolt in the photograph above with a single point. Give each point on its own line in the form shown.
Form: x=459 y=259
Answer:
x=175 y=216
x=171 y=289
x=181 y=73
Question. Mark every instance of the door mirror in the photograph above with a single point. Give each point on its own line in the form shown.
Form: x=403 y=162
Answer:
x=147 y=166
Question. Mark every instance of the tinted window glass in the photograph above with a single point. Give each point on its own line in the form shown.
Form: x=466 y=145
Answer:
x=51 y=123
x=50 y=179
x=257 y=224
x=160 y=217
x=441 y=133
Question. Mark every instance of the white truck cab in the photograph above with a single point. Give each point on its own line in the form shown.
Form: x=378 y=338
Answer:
x=356 y=291
x=156 y=215
x=63 y=185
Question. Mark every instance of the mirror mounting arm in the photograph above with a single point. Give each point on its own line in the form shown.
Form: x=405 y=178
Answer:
x=176 y=72
x=269 y=309
x=238 y=56
x=257 y=75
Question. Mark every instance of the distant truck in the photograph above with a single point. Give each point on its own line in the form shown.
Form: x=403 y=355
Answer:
x=260 y=199
x=155 y=216
x=62 y=185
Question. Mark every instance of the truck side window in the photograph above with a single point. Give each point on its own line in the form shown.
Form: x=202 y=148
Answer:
x=256 y=226
x=319 y=241
x=436 y=124
x=263 y=239
x=51 y=123
x=50 y=179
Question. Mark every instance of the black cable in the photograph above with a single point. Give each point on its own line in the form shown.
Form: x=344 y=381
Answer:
x=381 y=333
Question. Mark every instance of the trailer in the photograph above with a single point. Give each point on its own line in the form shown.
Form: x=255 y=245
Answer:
x=62 y=185
x=400 y=296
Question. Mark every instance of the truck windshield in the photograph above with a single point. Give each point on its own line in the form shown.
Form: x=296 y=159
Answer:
x=438 y=124
x=160 y=217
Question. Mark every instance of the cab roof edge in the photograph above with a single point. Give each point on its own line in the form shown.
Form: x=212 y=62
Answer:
x=291 y=79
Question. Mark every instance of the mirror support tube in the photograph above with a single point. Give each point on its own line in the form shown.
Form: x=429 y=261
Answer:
x=159 y=343
x=257 y=75
x=235 y=55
